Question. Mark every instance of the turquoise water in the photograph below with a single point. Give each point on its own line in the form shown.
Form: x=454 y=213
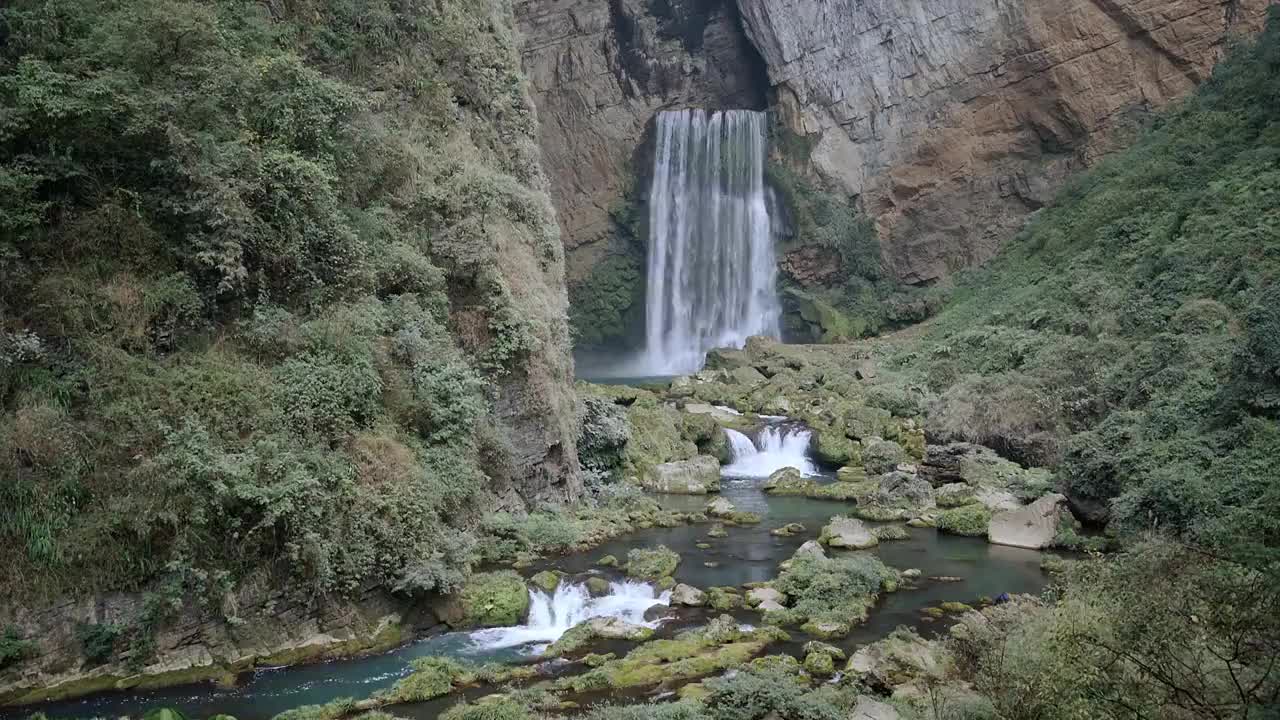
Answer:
x=748 y=554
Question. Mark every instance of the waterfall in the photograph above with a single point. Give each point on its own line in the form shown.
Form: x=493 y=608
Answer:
x=711 y=269
x=774 y=449
x=551 y=615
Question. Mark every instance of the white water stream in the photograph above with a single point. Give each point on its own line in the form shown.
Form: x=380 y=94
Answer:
x=551 y=615
x=773 y=449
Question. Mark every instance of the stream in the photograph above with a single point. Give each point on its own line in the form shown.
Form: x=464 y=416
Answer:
x=748 y=554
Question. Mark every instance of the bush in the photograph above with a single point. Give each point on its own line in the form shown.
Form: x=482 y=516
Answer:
x=839 y=589
x=98 y=641
x=969 y=520
x=13 y=648
x=652 y=563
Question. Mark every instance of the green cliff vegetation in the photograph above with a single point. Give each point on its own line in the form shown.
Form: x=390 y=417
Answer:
x=265 y=270
x=833 y=283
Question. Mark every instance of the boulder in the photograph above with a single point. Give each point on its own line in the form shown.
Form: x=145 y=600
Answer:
x=688 y=595
x=864 y=423
x=720 y=508
x=866 y=370
x=758 y=596
x=845 y=532
x=607 y=561
x=697 y=476
x=1033 y=526
x=770 y=606
x=784 y=479
x=882 y=456
x=902 y=489
x=652 y=563
x=486 y=600
x=748 y=376
x=788 y=530
x=814 y=646
x=717 y=531
x=547 y=580
x=810 y=547
x=997 y=500
x=597 y=586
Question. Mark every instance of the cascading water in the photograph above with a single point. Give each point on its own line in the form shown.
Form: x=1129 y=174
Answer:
x=711 y=271
x=774 y=449
x=551 y=615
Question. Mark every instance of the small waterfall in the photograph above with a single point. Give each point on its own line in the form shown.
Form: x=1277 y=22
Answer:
x=551 y=615
x=711 y=271
x=774 y=449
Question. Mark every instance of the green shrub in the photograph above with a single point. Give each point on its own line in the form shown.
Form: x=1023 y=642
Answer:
x=969 y=520
x=652 y=563
x=838 y=590
x=13 y=648
x=98 y=641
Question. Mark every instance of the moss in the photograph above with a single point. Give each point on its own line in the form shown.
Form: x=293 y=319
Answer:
x=607 y=561
x=547 y=580
x=832 y=447
x=723 y=599
x=956 y=607
x=971 y=520
x=597 y=586
x=882 y=456
x=605 y=306
x=934 y=612
x=820 y=663
x=744 y=517
x=488 y=600
x=572 y=640
x=717 y=531
x=652 y=563
x=596 y=659
x=698 y=653
x=431 y=678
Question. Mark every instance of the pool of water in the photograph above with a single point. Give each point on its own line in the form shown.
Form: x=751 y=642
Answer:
x=748 y=554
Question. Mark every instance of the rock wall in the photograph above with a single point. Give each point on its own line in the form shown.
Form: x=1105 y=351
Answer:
x=599 y=70
x=273 y=625
x=953 y=119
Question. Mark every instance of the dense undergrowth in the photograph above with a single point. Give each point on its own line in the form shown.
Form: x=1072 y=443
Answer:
x=264 y=271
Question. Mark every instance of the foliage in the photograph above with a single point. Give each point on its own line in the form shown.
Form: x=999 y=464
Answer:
x=837 y=590
x=1127 y=336
x=431 y=677
x=261 y=267
x=971 y=519
x=858 y=298
x=97 y=641
x=607 y=306
x=1159 y=631
x=13 y=648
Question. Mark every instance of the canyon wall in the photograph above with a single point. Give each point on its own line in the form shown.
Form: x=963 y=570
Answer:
x=951 y=120
x=599 y=70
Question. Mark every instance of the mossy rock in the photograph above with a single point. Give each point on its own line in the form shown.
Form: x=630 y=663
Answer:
x=164 y=714
x=970 y=520
x=956 y=607
x=882 y=456
x=826 y=629
x=547 y=580
x=487 y=600
x=852 y=473
x=717 y=531
x=820 y=664
x=597 y=586
x=596 y=659
x=832 y=447
x=652 y=563
x=724 y=599
x=863 y=422
x=744 y=517
x=665 y=583
x=607 y=561
x=912 y=440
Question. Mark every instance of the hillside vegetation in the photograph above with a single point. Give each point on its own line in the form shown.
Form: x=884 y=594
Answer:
x=272 y=279
x=1130 y=335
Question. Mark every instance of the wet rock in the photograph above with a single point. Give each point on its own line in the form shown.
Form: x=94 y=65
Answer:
x=820 y=664
x=911 y=574
x=844 y=532
x=1033 y=526
x=788 y=530
x=618 y=629
x=724 y=598
x=597 y=586
x=696 y=476
x=703 y=545
x=787 y=481
x=607 y=561
x=688 y=595
x=744 y=517
x=665 y=583
x=659 y=612
x=955 y=607
x=720 y=508
x=717 y=531
x=547 y=580
x=711 y=563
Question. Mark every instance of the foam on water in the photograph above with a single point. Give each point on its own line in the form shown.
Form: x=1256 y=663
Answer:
x=773 y=449
x=551 y=615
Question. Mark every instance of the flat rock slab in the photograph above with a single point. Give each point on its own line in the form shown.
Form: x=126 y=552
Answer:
x=1033 y=526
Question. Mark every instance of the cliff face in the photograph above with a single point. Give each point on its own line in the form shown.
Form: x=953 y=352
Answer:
x=599 y=70
x=951 y=119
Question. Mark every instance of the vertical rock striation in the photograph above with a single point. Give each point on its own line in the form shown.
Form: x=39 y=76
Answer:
x=953 y=119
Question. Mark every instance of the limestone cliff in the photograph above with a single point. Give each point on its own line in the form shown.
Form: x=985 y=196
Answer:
x=950 y=119
x=599 y=71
